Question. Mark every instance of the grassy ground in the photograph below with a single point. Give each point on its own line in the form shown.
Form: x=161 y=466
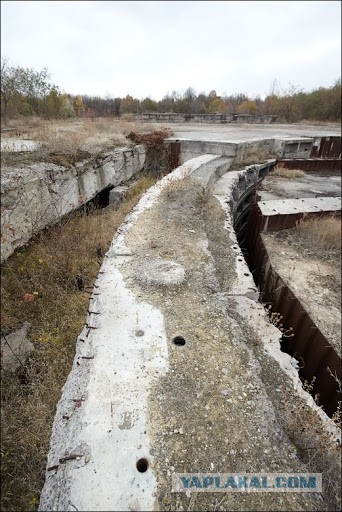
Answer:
x=71 y=136
x=40 y=284
x=286 y=174
x=324 y=233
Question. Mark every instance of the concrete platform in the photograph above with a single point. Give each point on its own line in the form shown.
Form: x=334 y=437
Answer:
x=242 y=132
x=304 y=205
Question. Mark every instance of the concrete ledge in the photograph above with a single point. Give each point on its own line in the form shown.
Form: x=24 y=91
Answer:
x=39 y=195
x=305 y=205
x=101 y=419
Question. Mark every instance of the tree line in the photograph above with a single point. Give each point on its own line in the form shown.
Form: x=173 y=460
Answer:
x=27 y=92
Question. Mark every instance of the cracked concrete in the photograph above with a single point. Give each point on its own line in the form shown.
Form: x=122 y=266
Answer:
x=210 y=405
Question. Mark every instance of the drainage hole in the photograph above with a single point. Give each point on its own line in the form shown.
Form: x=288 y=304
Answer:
x=179 y=341
x=142 y=465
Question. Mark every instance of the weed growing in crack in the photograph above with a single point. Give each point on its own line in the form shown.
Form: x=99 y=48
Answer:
x=276 y=319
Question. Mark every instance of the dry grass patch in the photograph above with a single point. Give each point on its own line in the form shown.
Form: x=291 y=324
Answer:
x=84 y=134
x=57 y=269
x=287 y=174
x=322 y=233
x=71 y=135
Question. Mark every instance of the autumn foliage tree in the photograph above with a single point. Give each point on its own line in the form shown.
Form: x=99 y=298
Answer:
x=28 y=92
x=25 y=91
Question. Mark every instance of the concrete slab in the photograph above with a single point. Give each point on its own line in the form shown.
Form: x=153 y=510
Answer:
x=294 y=206
x=18 y=145
x=244 y=132
x=307 y=185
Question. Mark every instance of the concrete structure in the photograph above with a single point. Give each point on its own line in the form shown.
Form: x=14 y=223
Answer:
x=257 y=149
x=38 y=195
x=295 y=209
x=18 y=145
x=174 y=117
x=177 y=368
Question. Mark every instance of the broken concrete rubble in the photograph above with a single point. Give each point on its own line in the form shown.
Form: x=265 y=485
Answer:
x=15 y=348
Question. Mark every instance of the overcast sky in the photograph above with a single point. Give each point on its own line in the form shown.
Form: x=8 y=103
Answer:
x=152 y=48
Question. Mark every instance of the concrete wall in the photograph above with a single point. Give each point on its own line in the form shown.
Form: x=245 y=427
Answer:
x=174 y=117
x=240 y=151
x=40 y=194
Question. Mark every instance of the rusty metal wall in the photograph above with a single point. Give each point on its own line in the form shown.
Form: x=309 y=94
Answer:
x=287 y=221
x=308 y=345
x=313 y=164
x=326 y=147
x=175 y=149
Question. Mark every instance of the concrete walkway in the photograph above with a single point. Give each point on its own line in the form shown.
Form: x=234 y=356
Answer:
x=138 y=407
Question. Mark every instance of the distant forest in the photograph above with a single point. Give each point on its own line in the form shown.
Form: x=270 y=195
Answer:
x=26 y=92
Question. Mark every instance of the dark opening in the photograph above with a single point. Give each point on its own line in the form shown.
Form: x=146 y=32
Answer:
x=142 y=465
x=101 y=200
x=179 y=341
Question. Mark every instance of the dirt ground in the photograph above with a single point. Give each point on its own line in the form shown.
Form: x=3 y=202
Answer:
x=313 y=275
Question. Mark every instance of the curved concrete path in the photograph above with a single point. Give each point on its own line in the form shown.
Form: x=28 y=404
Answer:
x=174 y=269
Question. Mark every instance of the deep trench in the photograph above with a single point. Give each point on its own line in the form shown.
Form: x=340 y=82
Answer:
x=325 y=387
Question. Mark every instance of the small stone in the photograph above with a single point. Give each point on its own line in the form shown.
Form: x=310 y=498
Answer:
x=225 y=391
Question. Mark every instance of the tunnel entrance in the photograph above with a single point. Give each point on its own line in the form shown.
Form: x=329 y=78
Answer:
x=100 y=201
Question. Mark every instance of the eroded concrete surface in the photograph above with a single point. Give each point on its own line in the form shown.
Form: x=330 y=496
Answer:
x=243 y=132
x=309 y=185
x=214 y=405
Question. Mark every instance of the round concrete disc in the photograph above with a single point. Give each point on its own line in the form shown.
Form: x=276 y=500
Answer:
x=161 y=272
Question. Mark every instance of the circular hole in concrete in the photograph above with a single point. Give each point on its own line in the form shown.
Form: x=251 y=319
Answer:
x=179 y=341
x=139 y=333
x=142 y=465
x=240 y=259
x=245 y=274
x=234 y=247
